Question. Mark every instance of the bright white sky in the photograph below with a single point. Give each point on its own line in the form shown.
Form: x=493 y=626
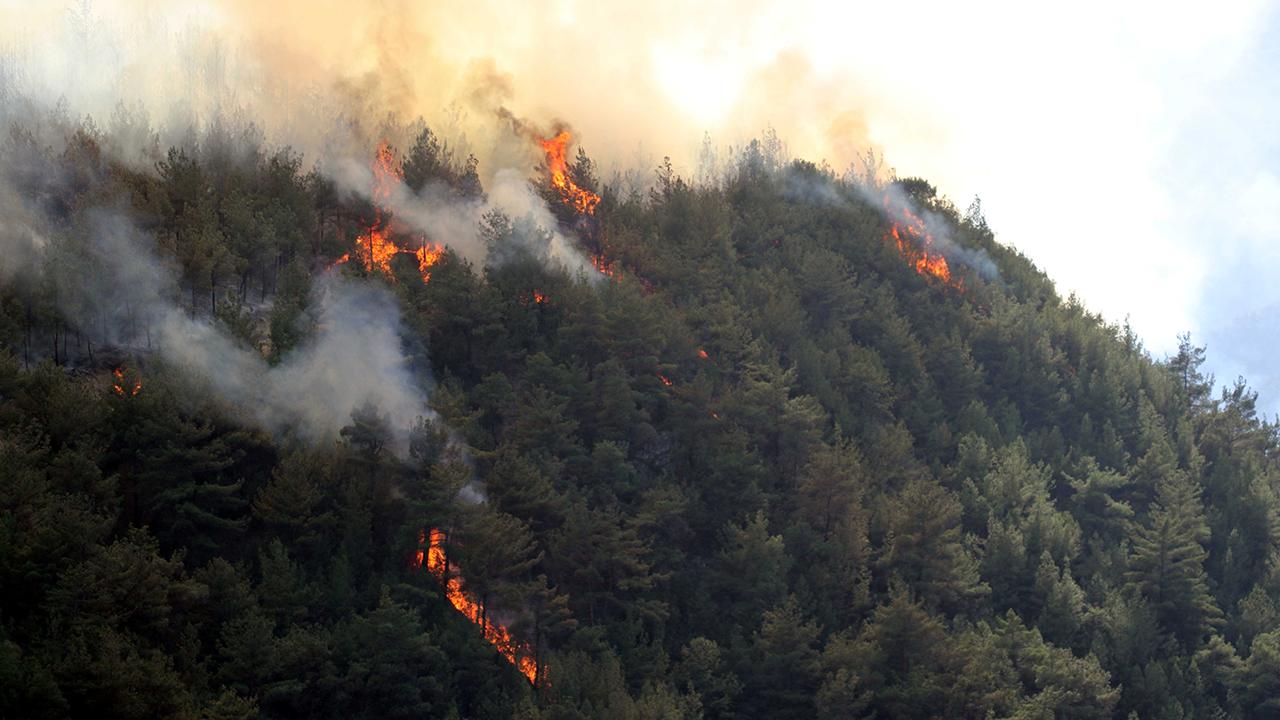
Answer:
x=1129 y=149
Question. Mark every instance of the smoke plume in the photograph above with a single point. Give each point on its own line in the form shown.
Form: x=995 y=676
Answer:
x=353 y=358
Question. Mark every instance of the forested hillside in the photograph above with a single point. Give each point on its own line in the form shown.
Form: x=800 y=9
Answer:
x=789 y=444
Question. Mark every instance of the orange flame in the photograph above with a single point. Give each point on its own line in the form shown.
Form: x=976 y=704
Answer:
x=703 y=354
x=375 y=248
x=428 y=255
x=602 y=265
x=417 y=556
x=915 y=244
x=556 y=149
x=516 y=652
x=121 y=386
x=665 y=380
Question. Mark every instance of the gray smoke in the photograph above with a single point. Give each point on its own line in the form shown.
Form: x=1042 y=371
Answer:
x=444 y=218
x=353 y=358
x=817 y=188
x=894 y=202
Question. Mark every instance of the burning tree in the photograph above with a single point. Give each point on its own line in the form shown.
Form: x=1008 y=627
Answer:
x=916 y=244
x=375 y=247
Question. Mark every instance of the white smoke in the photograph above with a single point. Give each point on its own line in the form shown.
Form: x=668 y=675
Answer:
x=896 y=203
x=354 y=358
x=818 y=188
x=443 y=217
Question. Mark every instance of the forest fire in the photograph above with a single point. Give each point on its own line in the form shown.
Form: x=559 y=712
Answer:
x=428 y=255
x=581 y=200
x=517 y=653
x=121 y=386
x=556 y=149
x=915 y=244
x=375 y=248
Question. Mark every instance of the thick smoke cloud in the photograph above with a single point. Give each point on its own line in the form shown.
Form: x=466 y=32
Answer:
x=293 y=65
x=188 y=86
x=354 y=358
x=121 y=298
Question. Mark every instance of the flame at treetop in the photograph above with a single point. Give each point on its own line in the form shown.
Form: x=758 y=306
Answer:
x=581 y=200
x=121 y=386
x=557 y=149
x=375 y=248
x=915 y=244
x=517 y=653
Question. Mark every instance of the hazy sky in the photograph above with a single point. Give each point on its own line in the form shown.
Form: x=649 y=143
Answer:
x=1130 y=149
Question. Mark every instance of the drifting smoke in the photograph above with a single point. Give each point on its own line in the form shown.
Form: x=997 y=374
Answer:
x=816 y=188
x=155 y=75
x=354 y=358
x=443 y=217
x=294 y=65
x=129 y=302
x=938 y=231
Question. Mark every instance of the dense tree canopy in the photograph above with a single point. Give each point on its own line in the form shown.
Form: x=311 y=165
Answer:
x=766 y=469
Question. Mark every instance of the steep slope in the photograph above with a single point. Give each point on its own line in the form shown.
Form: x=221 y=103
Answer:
x=796 y=446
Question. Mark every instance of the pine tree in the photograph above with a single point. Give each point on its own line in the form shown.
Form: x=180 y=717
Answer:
x=784 y=673
x=1194 y=388
x=924 y=546
x=1260 y=694
x=1167 y=564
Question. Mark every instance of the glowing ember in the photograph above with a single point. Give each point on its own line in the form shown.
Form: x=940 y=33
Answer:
x=538 y=297
x=418 y=556
x=602 y=265
x=703 y=354
x=121 y=386
x=665 y=380
x=557 y=149
x=915 y=244
x=375 y=248
x=517 y=653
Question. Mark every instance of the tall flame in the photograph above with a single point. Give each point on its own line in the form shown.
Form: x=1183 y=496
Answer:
x=915 y=244
x=516 y=652
x=557 y=149
x=375 y=248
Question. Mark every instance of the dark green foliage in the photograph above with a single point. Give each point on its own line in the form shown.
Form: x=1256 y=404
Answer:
x=765 y=471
